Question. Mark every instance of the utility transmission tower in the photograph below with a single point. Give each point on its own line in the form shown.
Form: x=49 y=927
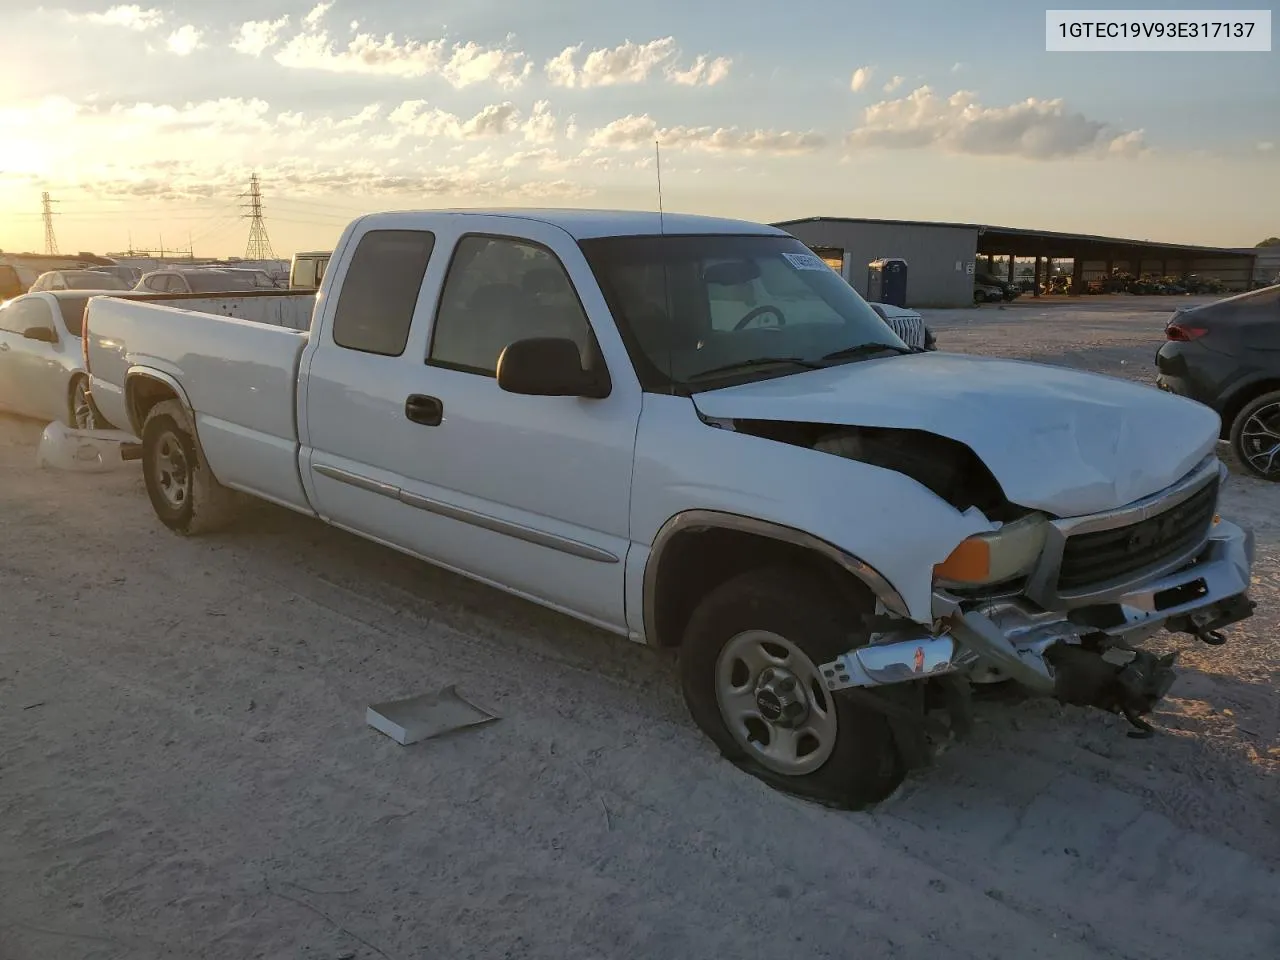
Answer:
x=259 y=247
x=50 y=241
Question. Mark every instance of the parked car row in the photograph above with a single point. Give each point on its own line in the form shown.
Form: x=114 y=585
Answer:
x=199 y=279
x=693 y=433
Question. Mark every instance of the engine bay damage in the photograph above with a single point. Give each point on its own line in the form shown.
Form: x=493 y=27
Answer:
x=943 y=466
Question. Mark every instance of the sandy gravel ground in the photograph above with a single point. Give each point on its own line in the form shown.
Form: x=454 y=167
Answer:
x=184 y=769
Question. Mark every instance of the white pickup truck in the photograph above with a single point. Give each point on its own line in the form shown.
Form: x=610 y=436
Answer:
x=691 y=432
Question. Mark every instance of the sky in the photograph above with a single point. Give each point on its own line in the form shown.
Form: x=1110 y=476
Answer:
x=145 y=121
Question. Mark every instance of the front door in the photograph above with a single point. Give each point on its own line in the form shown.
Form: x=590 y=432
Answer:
x=29 y=368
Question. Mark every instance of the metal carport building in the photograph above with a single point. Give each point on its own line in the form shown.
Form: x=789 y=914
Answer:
x=942 y=257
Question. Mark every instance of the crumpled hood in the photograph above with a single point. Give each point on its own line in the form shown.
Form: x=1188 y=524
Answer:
x=1059 y=440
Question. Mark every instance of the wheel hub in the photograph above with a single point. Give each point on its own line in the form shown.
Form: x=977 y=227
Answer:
x=780 y=698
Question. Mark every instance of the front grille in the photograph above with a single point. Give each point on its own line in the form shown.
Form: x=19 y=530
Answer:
x=1090 y=559
x=910 y=330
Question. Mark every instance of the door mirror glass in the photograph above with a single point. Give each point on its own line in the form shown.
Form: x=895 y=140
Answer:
x=548 y=367
x=42 y=334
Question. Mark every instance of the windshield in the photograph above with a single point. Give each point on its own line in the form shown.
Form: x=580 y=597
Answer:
x=697 y=312
x=73 y=314
x=93 y=281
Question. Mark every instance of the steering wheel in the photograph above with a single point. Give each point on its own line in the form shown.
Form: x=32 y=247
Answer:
x=760 y=312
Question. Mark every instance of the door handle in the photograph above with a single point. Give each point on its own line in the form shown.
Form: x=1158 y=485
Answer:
x=428 y=411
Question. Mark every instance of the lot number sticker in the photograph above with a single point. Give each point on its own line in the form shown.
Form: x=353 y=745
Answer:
x=806 y=261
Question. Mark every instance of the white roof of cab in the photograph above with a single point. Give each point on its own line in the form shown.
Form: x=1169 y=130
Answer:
x=587 y=224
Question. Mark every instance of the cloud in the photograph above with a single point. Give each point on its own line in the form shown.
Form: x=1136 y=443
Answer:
x=1131 y=144
x=312 y=19
x=205 y=145
x=471 y=63
x=894 y=83
x=128 y=15
x=461 y=64
x=703 y=72
x=1033 y=129
x=495 y=120
x=861 y=77
x=255 y=37
x=631 y=63
x=541 y=125
x=632 y=132
x=957 y=67
x=1266 y=146
x=184 y=41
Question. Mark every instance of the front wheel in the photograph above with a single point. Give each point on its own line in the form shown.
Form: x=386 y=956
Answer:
x=184 y=493
x=749 y=673
x=82 y=414
x=1255 y=437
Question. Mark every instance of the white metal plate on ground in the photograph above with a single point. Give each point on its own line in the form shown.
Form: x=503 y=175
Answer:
x=426 y=716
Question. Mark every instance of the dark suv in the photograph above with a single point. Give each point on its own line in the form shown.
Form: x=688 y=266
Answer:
x=1227 y=356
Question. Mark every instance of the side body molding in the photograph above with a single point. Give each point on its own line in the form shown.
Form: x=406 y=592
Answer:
x=693 y=520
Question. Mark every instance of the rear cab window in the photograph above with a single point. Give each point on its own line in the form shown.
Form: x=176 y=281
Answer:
x=379 y=293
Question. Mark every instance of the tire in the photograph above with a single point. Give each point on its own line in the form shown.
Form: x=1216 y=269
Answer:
x=183 y=492
x=1248 y=442
x=82 y=414
x=856 y=764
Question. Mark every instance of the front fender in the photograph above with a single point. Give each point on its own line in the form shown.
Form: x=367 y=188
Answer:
x=881 y=525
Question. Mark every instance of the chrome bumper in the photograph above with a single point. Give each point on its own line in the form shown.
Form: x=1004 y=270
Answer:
x=1010 y=636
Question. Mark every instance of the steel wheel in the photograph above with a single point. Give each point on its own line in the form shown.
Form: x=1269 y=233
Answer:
x=81 y=409
x=171 y=472
x=1260 y=440
x=774 y=703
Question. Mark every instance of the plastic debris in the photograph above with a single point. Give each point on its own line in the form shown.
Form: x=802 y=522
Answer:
x=86 y=451
x=426 y=716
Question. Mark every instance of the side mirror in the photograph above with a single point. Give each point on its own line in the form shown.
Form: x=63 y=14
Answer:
x=42 y=334
x=549 y=367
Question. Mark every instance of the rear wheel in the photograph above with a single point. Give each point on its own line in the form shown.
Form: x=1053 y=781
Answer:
x=1255 y=437
x=749 y=673
x=183 y=492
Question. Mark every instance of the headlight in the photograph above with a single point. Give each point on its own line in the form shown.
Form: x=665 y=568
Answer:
x=994 y=557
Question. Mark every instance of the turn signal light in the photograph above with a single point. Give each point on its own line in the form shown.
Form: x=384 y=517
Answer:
x=1176 y=331
x=969 y=563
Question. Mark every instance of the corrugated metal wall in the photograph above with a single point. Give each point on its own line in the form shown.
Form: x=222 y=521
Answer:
x=939 y=259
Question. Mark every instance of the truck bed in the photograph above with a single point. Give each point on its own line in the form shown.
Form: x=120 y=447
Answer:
x=239 y=372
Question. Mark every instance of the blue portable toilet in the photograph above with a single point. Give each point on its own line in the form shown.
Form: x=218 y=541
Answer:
x=887 y=281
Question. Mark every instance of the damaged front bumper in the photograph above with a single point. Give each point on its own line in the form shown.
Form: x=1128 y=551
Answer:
x=1013 y=638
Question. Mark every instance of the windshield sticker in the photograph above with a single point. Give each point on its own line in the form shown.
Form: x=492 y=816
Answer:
x=806 y=261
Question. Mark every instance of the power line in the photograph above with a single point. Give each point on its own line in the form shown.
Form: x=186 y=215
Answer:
x=50 y=241
x=259 y=246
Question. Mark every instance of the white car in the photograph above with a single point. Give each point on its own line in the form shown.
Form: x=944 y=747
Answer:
x=42 y=371
x=78 y=280
x=693 y=433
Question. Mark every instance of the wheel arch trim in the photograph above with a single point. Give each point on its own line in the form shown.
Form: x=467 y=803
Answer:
x=139 y=372
x=694 y=520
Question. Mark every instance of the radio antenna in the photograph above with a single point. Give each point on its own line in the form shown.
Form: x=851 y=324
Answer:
x=657 y=156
